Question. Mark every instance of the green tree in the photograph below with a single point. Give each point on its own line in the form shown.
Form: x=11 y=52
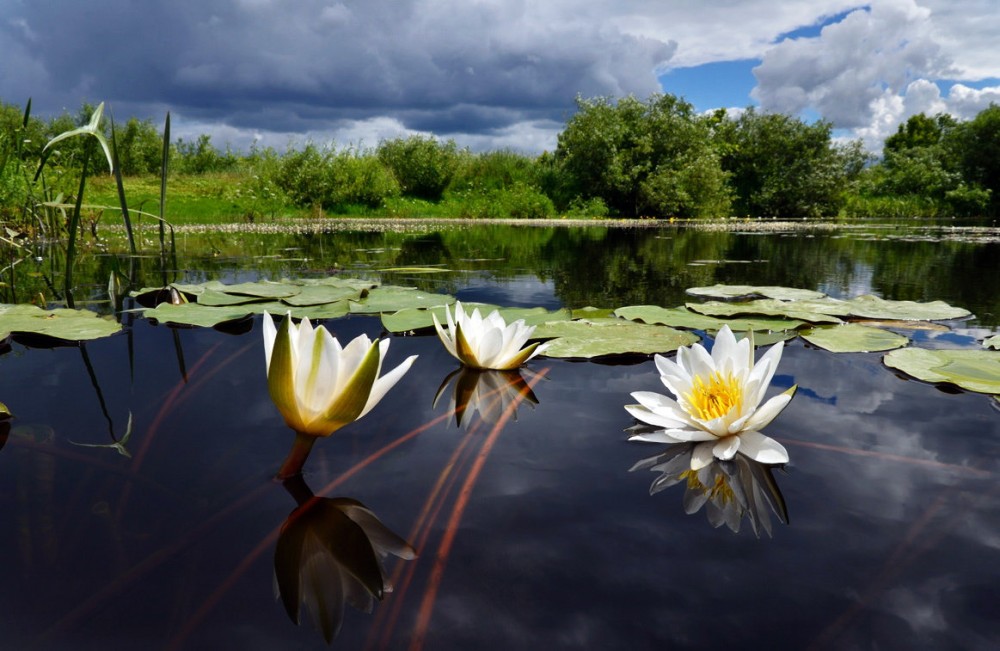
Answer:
x=140 y=147
x=636 y=156
x=976 y=147
x=782 y=167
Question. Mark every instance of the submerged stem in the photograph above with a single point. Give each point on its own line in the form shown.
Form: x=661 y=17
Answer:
x=296 y=456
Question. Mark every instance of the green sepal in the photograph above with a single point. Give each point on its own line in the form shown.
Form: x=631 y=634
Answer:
x=352 y=400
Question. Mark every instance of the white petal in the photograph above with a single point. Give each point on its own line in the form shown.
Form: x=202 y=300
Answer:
x=763 y=371
x=727 y=353
x=650 y=417
x=768 y=411
x=659 y=436
x=701 y=455
x=270 y=332
x=446 y=336
x=662 y=405
x=386 y=382
x=726 y=448
x=762 y=448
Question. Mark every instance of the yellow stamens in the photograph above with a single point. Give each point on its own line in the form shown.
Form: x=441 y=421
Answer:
x=716 y=397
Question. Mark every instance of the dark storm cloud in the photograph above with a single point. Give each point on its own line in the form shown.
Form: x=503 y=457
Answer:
x=294 y=67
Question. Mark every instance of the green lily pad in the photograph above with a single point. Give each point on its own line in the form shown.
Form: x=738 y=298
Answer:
x=737 y=291
x=215 y=298
x=600 y=337
x=61 y=323
x=973 y=370
x=854 y=338
x=264 y=289
x=419 y=318
x=392 y=299
x=417 y=270
x=359 y=284
x=321 y=294
x=989 y=342
x=591 y=312
x=797 y=310
x=681 y=317
x=873 y=307
x=206 y=316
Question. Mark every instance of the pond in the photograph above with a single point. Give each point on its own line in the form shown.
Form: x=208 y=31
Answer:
x=138 y=507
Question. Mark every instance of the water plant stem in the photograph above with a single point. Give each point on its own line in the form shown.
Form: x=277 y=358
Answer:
x=297 y=456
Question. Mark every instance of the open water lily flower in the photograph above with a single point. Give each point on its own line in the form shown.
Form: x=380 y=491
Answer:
x=717 y=401
x=319 y=386
x=486 y=343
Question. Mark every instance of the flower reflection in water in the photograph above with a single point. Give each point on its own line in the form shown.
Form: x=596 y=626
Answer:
x=490 y=393
x=330 y=552
x=727 y=489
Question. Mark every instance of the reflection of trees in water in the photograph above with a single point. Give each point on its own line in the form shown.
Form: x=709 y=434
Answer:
x=599 y=266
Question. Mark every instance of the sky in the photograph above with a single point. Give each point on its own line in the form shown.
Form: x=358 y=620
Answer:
x=491 y=74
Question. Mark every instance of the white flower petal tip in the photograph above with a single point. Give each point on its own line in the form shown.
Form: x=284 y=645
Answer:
x=318 y=385
x=487 y=343
x=717 y=400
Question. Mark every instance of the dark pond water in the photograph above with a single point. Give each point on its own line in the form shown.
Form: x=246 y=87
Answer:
x=531 y=530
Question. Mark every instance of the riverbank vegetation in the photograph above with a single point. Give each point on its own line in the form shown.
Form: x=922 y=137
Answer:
x=653 y=158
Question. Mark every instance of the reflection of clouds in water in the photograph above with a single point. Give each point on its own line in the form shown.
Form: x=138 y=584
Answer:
x=520 y=291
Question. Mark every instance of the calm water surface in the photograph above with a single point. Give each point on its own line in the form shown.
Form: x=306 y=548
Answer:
x=532 y=532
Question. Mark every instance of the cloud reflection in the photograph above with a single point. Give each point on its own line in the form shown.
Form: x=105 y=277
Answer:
x=330 y=552
x=728 y=490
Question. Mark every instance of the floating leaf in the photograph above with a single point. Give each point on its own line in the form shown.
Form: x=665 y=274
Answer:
x=215 y=298
x=264 y=289
x=798 y=310
x=195 y=314
x=681 y=317
x=590 y=312
x=873 y=307
x=854 y=338
x=737 y=291
x=598 y=337
x=973 y=370
x=417 y=270
x=321 y=294
x=61 y=323
x=392 y=299
x=989 y=342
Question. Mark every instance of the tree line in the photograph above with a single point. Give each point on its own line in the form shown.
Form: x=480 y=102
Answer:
x=626 y=157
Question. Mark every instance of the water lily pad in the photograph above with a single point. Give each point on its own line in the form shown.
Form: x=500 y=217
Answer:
x=419 y=318
x=61 y=323
x=417 y=270
x=681 y=317
x=194 y=314
x=854 y=338
x=798 y=310
x=873 y=307
x=989 y=342
x=215 y=298
x=591 y=312
x=263 y=289
x=600 y=337
x=392 y=299
x=973 y=370
x=737 y=291
x=321 y=294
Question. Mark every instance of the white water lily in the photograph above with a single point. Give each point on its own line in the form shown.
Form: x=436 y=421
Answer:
x=717 y=401
x=319 y=386
x=486 y=343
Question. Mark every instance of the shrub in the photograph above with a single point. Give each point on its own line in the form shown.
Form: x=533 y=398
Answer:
x=423 y=167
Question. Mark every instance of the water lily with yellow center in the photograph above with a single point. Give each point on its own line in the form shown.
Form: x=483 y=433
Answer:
x=319 y=386
x=717 y=401
x=486 y=343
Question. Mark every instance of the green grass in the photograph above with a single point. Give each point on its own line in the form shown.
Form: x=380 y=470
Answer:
x=191 y=199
